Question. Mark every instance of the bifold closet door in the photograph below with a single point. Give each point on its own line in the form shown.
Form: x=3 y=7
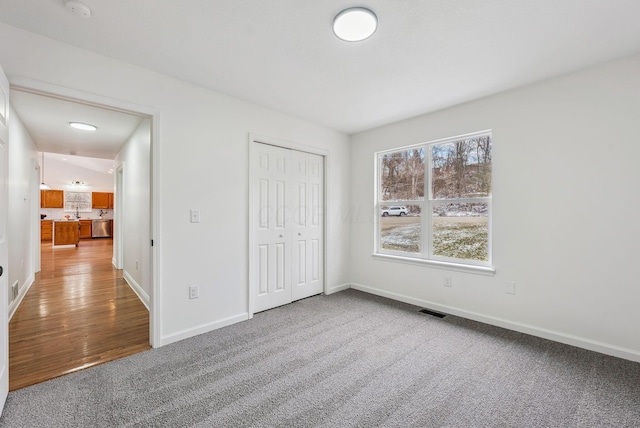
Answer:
x=287 y=221
x=307 y=228
x=272 y=199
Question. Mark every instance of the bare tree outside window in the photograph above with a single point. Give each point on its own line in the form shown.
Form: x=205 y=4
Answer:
x=457 y=208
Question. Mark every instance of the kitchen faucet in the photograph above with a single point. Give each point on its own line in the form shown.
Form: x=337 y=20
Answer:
x=77 y=212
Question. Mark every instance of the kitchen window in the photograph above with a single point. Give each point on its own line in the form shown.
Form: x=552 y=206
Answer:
x=433 y=202
x=77 y=202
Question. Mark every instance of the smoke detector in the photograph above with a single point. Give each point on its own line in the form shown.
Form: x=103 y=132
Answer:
x=79 y=8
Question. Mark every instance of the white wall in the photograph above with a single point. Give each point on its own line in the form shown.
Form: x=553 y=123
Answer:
x=22 y=155
x=202 y=146
x=135 y=158
x=565 y=156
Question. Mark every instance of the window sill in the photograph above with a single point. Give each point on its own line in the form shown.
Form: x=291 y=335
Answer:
x=479 y=270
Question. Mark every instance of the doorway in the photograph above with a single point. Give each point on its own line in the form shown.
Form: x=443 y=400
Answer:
x=286 y=225
x=139 y=280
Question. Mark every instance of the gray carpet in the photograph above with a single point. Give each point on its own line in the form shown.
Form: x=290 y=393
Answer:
x=345 y=360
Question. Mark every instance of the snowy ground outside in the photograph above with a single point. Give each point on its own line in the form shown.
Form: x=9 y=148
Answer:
x=460 y=238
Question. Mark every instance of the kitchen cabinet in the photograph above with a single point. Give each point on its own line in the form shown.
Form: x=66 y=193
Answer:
x=102 y=200
x=66 y=232
x=85 y=229
x=46 y=230
x=51 y=199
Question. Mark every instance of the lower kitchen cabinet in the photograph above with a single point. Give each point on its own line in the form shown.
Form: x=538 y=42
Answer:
x=85 y=229
x=46 y=230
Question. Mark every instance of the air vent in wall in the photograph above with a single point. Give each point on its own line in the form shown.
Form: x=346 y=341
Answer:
x=432 y=313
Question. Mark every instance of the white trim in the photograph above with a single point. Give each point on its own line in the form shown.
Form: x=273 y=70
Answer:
x=43 y=88
x=204 y=328
x=13 y=306
x=426 y=205
x=439 y=141
x=119 y=215
x=62 y=92
x=142 y=295
x=155 y=313
x=337 y=288
x=262 y=139
x=568 y=339
x=458 y=267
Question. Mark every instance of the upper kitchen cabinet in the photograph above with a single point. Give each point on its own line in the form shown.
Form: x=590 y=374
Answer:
x=51 y=199
x=102 y=200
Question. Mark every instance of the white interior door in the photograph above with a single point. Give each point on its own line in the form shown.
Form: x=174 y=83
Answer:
x=287 y=226
x=308 y=207
x=4 y=251
x=271 y=227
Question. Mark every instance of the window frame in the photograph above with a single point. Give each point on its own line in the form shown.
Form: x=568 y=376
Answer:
x=426 y=204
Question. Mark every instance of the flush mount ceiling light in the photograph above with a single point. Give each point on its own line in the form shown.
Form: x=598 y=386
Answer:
x=355 y=24
x=83 y=126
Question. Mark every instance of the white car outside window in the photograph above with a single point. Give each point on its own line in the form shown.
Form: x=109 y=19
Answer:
x=395 y=210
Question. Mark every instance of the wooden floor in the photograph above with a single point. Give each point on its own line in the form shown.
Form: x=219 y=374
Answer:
x=78 y=313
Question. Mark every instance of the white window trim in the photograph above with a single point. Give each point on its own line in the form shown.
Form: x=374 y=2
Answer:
x=458 y=267
x=479 y=267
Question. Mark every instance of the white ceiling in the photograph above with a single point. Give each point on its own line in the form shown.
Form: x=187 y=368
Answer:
x=47 y=120
x=425 y=55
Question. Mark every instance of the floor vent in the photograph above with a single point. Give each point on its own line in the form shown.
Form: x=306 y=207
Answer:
x=432 y=313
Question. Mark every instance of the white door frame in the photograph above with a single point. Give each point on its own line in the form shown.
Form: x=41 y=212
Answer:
x=119 y=211
x=256 y=138
x=35 y=216
x=47 y=89
x=4 y=240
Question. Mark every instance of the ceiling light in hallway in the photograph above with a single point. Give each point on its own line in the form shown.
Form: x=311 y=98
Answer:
x=83 y=126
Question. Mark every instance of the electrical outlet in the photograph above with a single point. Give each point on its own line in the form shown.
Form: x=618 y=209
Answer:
x=194 y=291
x=510 y=287
x=195 y=216
x=137 y=264
x=446 y=281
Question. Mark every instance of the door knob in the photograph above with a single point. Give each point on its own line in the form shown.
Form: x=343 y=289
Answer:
x=281 y=236
x=299 y=234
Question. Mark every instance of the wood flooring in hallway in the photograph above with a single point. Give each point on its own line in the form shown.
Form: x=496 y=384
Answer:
x=78 y=313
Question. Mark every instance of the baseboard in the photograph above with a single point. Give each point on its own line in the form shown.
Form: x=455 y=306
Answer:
x=337 y=288
x=13 y=306
x=205 y=328
x=580 y=342
x=142 y=295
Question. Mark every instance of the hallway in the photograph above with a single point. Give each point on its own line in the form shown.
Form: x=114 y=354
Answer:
x=78 y=313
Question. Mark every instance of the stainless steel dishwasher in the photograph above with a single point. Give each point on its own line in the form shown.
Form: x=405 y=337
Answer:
x=101 y=229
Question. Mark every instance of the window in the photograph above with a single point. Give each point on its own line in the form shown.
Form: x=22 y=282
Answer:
x=433 y=201
x=77 y=202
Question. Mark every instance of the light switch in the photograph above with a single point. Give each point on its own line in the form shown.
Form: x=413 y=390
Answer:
x=195 y=216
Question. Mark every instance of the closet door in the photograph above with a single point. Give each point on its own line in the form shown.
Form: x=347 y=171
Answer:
x=287 y=260
x=271 y=224
x=307 y=228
